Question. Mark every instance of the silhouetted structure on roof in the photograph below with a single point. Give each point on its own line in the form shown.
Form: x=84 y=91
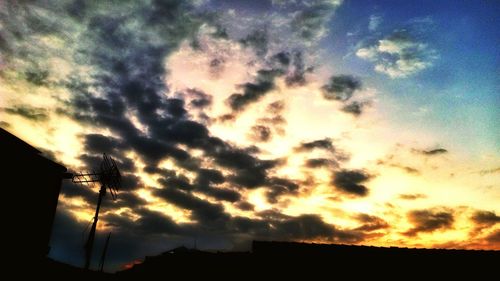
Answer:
x=109 y=177
x=31 y=183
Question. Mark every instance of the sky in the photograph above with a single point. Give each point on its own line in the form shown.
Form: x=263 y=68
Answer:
x=326 y=121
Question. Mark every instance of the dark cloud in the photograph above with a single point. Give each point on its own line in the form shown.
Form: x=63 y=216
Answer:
x=429 y=221
x=260 y=133
x=258 y=40
x=412 y=196
x=204 y=182
x=494 y=238
x=175 y=107
x=199 y=99
x=296 y=75
x=128 y=181
x=36 y=76
x=253 y=92
x=409 y=170
x=304 y=227
x=216 y=67
x=91 y=161
x=431 y=152
x=350 y=182
x=282 y=58
x=486 y=218
x=156 y=222
x=355 y=108
x=370 y=223
x=335 y=156
x=280 y=186
x=325 y=144
x=176 y=181
x=205 y=213
x=129 y=199
x=86 y=192
x=435 y=151
x=249 y=171
x=222 y=194
x=28 y=112
x=276 y=107
x=98 y=144
x=309 y=227
x=320 y=162
x=273 y=120
x=309 y=23
x=245 y=206
x=277 y=122
x=227 y=117
x=208 y=176
x=341 y=87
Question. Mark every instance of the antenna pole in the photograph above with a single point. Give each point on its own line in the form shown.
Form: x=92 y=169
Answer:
x=104 y=251
x=90 y=241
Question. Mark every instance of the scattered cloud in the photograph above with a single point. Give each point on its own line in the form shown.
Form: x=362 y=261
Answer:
x=257 y=40
x=414 y=196
x=370 y=223
x=430 y=152
x=489 y=171
x=398 y=55
x=332 y=159
x=28 y=112
x=253 y=92
x=325 y=144
x=374 y=22
x=485 y=217
x=309 y=22
x=199 y=99
x=494 y=238
x=351 y=182
x=260 y=133
x=296 y=75
x=429 y=221
x=272 y=123
x=320 y=162
x=355 y=107
x=340 y=87
x=391 y=163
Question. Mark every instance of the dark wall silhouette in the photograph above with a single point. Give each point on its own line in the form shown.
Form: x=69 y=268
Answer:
x=31 y=185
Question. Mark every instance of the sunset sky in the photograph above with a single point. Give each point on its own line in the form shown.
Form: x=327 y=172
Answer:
x=328 y=121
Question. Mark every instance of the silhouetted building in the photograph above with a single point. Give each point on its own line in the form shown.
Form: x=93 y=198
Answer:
x=292 y=260
x=31 y=185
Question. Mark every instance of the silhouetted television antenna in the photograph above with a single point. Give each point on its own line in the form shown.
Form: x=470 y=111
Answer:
x=109 y=177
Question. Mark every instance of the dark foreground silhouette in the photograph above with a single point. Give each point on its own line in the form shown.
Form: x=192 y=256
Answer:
x=293 y=260
x=34 y=180
x=30 y=185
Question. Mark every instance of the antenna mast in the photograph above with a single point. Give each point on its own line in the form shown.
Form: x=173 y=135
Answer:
x=104 y=251
x=109 y=177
